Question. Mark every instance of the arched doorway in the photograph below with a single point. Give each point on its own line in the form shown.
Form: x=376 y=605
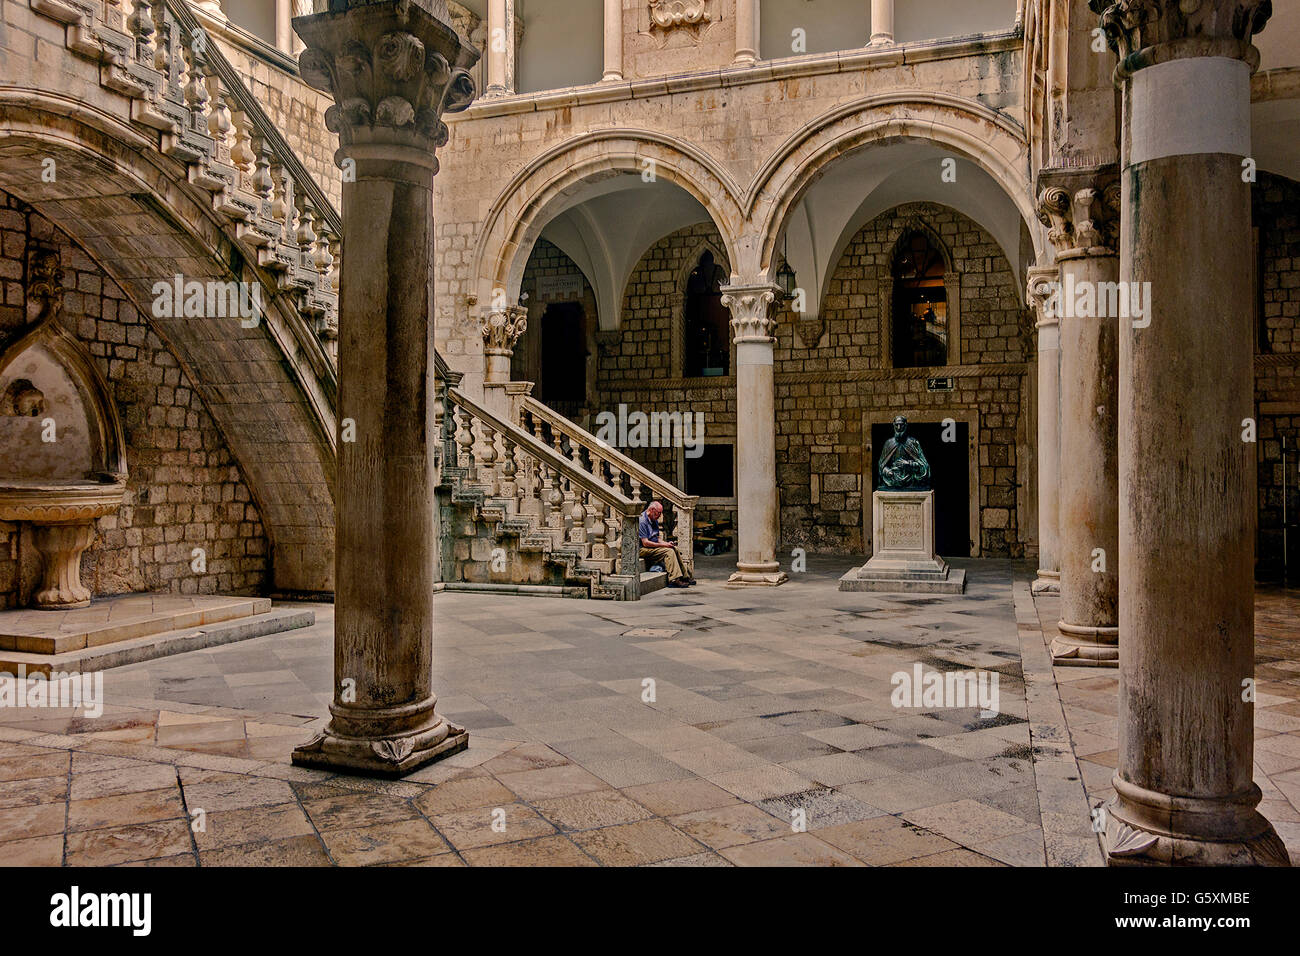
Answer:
x=920 y=307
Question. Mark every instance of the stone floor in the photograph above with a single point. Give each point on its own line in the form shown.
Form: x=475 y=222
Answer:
x=769 y=707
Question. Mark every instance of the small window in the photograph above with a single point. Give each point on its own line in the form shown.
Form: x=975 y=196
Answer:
x=713 y=474
x=706 y=322
x=920 y=304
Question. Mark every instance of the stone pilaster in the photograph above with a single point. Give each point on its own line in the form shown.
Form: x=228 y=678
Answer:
x=1184 y=787
x=1081 y=207
x=393 y=67
x=1042 y=287
x=758 y=515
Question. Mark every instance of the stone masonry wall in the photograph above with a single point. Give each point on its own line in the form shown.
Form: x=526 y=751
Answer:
x=184 y=490
x=1277 y=368
x=827 y=394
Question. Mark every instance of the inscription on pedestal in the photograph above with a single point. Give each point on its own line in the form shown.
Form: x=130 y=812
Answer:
x=903 y=526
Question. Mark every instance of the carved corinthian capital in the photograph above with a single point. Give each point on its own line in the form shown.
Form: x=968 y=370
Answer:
x=1135 y=25
x=502 y=329
x=1081 y=208
x=393 y=68
x=1044 y=282
x=751 y=312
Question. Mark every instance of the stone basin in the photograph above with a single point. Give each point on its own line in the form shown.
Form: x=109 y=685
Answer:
x=62 y=513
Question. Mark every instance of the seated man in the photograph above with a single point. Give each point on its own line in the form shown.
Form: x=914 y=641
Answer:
x=654 y=547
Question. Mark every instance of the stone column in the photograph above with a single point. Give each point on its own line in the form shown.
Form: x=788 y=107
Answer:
x=1184 y=788
x=393 y=67
x=1081 y=205
x=882 y=22
x=500 y=37
x=756 y=496
x=613 y=40
x=1042 y=286
x=746 y=32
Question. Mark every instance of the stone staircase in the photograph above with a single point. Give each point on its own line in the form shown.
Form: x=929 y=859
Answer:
x=517 y=516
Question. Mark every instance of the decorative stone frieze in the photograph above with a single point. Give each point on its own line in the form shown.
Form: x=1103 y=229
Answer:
x=668 y=14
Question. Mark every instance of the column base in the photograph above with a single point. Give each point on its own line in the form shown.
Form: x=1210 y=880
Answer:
x=1080 y=646
x=1047 y=582
x=1146 y=828
x=354 y=742
x=757 y=575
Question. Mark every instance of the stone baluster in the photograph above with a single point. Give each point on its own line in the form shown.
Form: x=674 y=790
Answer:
x=578 y=532
x=598 y=530
x=636 y=489
x=615 y=477
x=242 y=153
x=487 y=457
x=465 y=439
x=554 y=500
x=305 y=235
x=220 y=124
x=143 y=30
x=613 y=529
x=508 y=486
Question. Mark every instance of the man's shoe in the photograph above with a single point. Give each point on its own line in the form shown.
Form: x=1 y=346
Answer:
x=676 y=584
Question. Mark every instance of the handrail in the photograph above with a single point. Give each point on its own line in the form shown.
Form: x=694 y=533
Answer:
x=625 y=506
x=661 y=486
x=249 y=105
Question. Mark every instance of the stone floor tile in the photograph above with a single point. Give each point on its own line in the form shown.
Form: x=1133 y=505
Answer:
x=32 y=820
x=543 y=851
x=488 y=826
x=357 y=810
x=384 y=843
x=144 y=807
x=32 y=851
x=304 y=850
x=836 y=769
x=33 y=790
x=723 y=827
x=635 y=844
x=680 y=796
x=548 y=782
x=968 y=822
x=464 y=793
x=819 y=807
x=883 y=840
x=124 y=844
x=760 y=783
x=28 y=766
x=799 y=849
x=223 y=828
x=591 y=810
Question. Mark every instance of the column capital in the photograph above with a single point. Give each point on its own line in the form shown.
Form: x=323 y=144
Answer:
x=1042 y=285
x=751 y=311
x=393 y=68
x=502 y=328
x=1080 y=205
x=1143 y=32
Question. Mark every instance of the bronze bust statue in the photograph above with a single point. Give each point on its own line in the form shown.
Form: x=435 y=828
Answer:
x=902 y=463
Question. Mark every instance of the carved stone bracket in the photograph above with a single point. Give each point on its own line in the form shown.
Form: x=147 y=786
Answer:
x=811 y=331
x=1081 y=207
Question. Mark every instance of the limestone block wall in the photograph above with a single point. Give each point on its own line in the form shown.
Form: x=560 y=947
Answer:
x=185 y=489
x=1277 y=367
x=828 y=393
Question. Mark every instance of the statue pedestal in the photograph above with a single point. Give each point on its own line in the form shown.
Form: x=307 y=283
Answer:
x=903 y=558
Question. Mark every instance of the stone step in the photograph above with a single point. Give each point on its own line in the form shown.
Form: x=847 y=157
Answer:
x=652 y=581
x=177 y=641
x=119 y=618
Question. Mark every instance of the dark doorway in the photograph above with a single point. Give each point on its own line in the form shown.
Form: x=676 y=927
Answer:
x=949 y=472
x=920 y=304
x=564 y=358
